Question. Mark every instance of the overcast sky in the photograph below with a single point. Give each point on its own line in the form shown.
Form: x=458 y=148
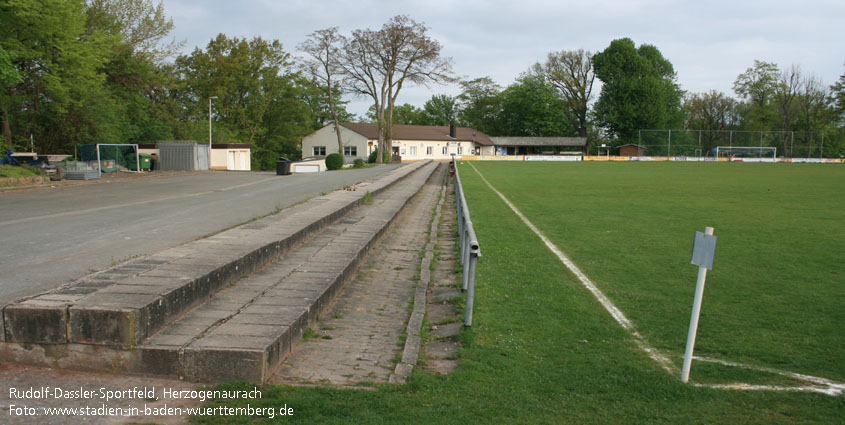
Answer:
x=708 y=42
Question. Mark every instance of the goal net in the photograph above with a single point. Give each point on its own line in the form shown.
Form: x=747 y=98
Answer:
x=746 y=152
x=110 y=158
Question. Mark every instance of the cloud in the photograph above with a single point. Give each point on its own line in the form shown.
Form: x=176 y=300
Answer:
x=708 y=42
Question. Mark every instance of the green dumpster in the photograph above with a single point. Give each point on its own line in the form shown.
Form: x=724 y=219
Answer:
x=145 y=161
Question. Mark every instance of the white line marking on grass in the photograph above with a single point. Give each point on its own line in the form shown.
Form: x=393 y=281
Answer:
x=821 y=385
x=608 y=305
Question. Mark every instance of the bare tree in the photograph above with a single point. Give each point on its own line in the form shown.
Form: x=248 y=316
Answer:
x=785 y=95
x=813 y=102
x=323 y=48
x=571 y=72
x=379 y=63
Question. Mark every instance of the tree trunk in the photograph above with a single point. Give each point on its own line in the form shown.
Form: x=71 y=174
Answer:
x=7 y=130
x=381 y=143
x=334 y=118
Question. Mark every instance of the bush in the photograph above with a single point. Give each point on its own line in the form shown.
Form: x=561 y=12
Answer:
x=334 y=161
x=385 y=157
x=359 y=163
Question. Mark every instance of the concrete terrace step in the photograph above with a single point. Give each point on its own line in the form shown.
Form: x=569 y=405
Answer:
x=245 y=331
x=124 y=305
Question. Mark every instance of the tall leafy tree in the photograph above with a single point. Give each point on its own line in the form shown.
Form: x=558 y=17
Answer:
x=571 y=72
x=756 y=88
x=533 y=107
x=56 y=61
x=479 y=105
x=141 y=26
x=440 y=110
x=639 y=90
x=245 y=75
x=136 y=79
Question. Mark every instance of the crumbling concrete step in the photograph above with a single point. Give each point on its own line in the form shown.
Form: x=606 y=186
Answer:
x=245 y=331
x=124 y=305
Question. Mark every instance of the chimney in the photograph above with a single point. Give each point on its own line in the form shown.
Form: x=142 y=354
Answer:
x=453 y=131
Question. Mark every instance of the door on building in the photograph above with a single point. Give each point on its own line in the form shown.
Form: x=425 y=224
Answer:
x=242 y=164
x=231 y=160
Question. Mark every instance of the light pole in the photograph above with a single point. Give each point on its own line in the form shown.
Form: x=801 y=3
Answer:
x=209 y=123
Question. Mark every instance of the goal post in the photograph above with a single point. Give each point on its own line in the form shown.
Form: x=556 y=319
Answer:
x=110 y=158
x=761 y=152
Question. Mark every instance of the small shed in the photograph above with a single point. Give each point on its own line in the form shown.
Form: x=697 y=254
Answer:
x=181 y=155
x=631 y=150
x=231 y=156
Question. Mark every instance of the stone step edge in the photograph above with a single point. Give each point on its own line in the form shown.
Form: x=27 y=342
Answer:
x=29 y=321
x=204 y=364
x=190 y=365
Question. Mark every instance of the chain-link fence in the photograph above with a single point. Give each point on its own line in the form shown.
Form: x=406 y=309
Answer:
x=789 y=144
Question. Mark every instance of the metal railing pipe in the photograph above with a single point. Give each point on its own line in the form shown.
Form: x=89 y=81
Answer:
x=468 y=243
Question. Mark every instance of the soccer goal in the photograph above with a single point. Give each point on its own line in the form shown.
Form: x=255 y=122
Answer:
x=747 y=152
x=111 y=158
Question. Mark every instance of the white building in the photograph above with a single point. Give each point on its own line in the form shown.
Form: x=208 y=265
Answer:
x=410 y=142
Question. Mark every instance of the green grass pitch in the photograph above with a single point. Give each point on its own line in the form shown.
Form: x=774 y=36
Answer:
x=776 y=295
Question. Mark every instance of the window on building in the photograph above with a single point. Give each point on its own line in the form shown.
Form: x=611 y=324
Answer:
x=460 y=150
x=413 y=151
x=429 y=150
x=350 y=150
x=319 y=151
x=445 y=150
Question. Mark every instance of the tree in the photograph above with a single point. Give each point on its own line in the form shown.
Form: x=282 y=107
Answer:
x=440 y=110
x=246 y=76
x=139 y=24
x=639 y=91
x=404 y=114
x=479 y=105
x=572 y=73
x=757 y=84
x=9 y=77
x=379 y=63
x=323 y=49
x=260 y=99
x=56 y=61
x=533 y=107
x=712 y=112
x=838 y=93
x=756 y=87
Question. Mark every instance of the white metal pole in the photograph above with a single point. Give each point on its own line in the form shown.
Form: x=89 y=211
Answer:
x=693 y=322
x=99 y=163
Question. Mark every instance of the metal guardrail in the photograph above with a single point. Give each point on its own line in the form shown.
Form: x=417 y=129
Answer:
x=470 y=250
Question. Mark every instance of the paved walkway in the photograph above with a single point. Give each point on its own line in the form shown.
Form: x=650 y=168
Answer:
x=358 y=340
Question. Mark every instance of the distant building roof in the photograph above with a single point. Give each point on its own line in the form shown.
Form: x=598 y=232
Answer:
x=540 y=141
x=421 y=132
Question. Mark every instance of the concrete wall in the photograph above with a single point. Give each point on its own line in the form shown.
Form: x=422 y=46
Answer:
x=308 y=166
x=327 y=138
x=416 y=150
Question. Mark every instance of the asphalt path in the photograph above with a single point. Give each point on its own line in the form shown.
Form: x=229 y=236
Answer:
x=50 y=237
